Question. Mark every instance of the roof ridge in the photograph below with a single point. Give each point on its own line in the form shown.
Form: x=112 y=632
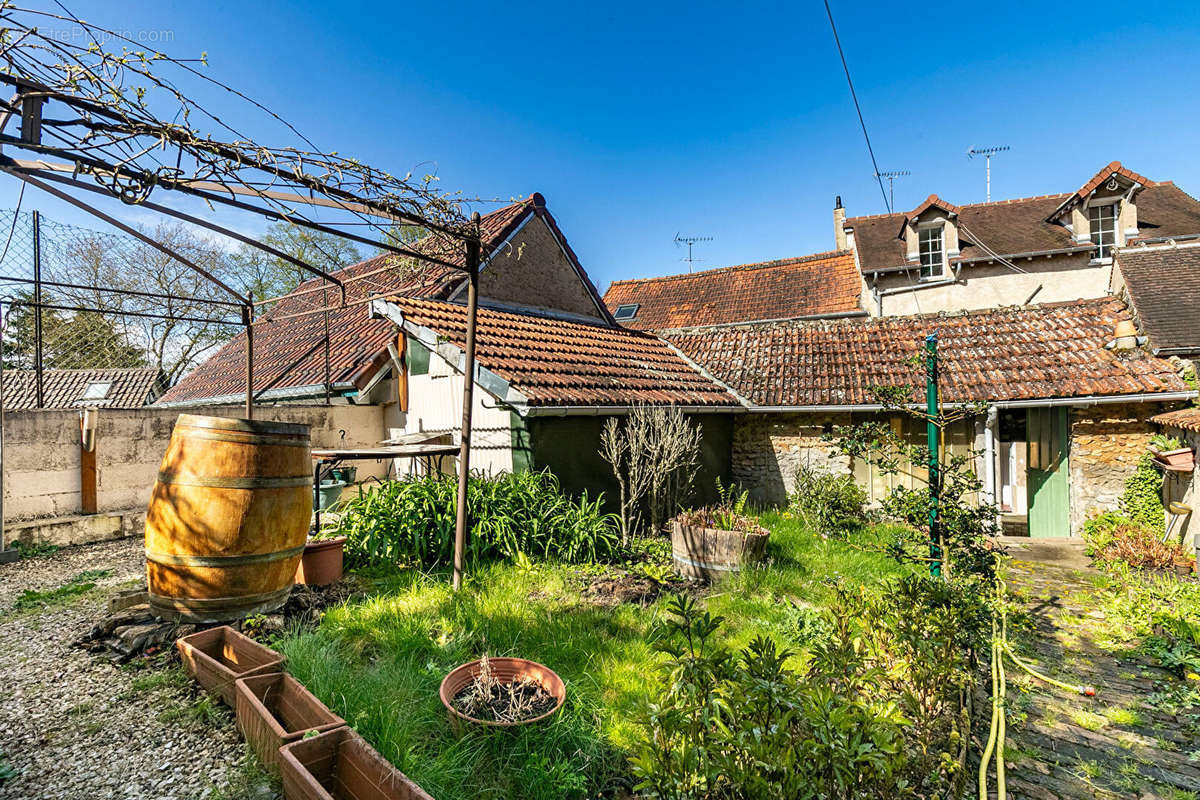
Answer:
x=1008 y=201
x=778 y=262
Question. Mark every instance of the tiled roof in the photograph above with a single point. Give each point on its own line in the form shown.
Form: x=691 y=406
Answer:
x=289 y=353
x=555 y=362
x=1052 y=350
x=1114 y=168
x=933 y=201
x=1014 y=227
x=64 y=388
x=825 y=283
x=1163 y=283
x=1186 y=418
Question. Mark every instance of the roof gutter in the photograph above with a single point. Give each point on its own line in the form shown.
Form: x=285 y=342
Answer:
x=286 y=393
x=596 y=411
x=1043 y=402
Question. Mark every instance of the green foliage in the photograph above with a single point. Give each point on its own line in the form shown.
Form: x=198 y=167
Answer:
x=1142 y=499
x=1175 y=643
x=412 y=521
x=80 y=584
x=269 y=276
x=876 y=712
x=1164 y=443
x=1114 y=537
x=70 y=340
x=35 y=550
x=834 y=505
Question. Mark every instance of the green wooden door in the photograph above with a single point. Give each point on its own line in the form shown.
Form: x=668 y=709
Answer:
x=1047 y=475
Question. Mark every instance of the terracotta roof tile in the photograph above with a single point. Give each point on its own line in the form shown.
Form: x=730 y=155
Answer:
x=289 y=352
x=555 y=362
x=824 y=283
x=1053 y=350
x=1186 y=418
x=1163 y=283
x=64 y=388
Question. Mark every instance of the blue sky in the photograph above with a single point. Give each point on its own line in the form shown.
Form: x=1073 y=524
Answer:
x=638 y=121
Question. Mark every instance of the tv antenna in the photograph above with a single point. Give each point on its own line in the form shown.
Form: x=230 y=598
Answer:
x=689 y=241
x=986 y=152
x=891 y=179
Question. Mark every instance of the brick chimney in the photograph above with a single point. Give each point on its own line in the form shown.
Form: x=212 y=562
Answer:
x=839 y=225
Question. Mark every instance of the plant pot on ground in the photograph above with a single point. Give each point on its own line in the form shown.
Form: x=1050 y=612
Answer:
x=502 y=692
x=276 y=709
x=709 y=543
x=217 y=657
x=340 y=765
x=321 y=563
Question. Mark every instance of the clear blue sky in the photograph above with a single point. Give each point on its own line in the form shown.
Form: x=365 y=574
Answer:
x=639 y=120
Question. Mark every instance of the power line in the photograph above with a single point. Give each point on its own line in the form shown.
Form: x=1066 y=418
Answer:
x=857 y=107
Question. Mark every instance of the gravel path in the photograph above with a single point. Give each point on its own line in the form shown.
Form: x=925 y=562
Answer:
x=75 y=726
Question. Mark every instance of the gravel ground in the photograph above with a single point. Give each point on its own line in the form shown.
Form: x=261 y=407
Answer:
x=76 y=726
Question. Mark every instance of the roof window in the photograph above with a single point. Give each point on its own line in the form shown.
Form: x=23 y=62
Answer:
x=627 y=311
x=96 y=390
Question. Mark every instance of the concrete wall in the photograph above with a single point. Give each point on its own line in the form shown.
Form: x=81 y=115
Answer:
x=41 y=452
x=1045 y=280
x=532 y=270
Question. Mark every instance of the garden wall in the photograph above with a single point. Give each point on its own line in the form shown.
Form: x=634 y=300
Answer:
x=767 y=449
x=41 y=462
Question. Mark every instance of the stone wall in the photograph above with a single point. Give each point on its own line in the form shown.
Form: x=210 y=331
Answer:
x=769 y=448
x=1107 y=441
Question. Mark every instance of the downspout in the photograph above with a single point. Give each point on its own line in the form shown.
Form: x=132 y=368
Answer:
x=989 y=455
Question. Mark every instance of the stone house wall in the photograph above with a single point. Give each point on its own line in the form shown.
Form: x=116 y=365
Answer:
x=768 y=448
x=1107 y=441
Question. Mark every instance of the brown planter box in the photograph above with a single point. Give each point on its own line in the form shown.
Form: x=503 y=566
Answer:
x=321 y=564
x=709 y=553
x=275 y=709
x=1181 y=460
x=217 y=657
x=340 y=765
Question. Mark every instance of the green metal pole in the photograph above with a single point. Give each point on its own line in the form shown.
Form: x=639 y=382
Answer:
x=935 y=467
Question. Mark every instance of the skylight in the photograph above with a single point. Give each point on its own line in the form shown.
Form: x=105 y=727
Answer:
x=96 y=390
x=626 y=311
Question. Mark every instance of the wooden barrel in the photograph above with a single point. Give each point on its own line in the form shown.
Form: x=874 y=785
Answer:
x=228 y=518
x=708 y=554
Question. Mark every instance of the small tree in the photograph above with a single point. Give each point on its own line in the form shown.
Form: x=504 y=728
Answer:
x=654 y=453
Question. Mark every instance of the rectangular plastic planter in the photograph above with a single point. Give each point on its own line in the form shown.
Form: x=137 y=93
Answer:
x=275 y=709
x=339 y=765
x=217 y=657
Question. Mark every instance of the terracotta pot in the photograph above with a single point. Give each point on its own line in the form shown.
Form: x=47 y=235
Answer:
x=217 y=657
x=710 y=553
x=275 y=709
x=506 y=670
x=322 y=562
x=340 y=765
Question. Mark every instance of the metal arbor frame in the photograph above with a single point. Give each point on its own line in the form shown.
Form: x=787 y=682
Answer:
x=85 y=134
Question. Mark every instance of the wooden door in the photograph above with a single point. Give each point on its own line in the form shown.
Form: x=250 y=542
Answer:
x=1048 y=477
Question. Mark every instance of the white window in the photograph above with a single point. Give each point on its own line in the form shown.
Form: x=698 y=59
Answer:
x=1102 y=222
x=933 y=254
x=626 y=311
x=96 y=390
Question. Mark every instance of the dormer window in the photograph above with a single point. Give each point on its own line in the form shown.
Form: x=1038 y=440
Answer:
x=1102 y=224
x=932 y=252
x=628 y=311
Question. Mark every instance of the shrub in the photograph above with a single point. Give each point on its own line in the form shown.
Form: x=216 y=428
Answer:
x=522 y=513
x=1142 y=498
x=833 y=505
x=876 y=713
x=728 y=514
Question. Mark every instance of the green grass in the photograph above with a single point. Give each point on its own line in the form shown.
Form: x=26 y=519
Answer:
x=82 y=583
x=378 y=662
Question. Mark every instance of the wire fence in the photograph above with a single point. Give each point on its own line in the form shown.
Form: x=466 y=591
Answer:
x=79 y=299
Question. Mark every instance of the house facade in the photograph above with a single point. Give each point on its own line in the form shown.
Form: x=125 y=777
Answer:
x=946 y=257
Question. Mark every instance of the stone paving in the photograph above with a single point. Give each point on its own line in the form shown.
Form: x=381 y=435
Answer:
x=1065 y=745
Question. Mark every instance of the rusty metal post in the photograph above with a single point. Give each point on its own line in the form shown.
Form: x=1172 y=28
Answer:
x=462 y=522
x=38 y=374
x=248 y=320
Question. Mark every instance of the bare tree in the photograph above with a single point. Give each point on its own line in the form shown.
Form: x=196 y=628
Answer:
x=654 y=454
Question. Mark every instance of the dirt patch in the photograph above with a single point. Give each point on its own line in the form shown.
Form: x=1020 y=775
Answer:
x=617 y=588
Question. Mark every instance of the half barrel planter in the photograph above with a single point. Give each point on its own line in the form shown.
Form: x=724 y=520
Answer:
x=707 y=554
x=228 y=518
x=340 y=765
x=276 y=709
x=218 y=657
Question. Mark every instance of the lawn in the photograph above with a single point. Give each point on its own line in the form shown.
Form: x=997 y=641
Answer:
x=378 y=662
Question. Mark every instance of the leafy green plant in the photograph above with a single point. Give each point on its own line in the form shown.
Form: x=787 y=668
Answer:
x=834 y=505
x=728 y=514
x=1176 y=644
x=1163 y=443
x=1141 y=501
x=876 y=712
x=511 y=513
x=80 y=584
